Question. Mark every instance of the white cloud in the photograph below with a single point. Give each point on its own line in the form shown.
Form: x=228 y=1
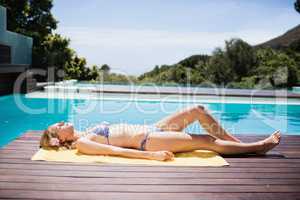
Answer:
x=158 y=38
x=139 y=50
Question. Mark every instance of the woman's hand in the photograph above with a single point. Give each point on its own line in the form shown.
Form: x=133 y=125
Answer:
x=87 y=146
x=162 y=155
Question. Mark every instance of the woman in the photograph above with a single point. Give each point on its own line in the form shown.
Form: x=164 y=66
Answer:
x=157 y=142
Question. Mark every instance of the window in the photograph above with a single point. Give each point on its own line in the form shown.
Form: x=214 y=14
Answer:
x=5 y=55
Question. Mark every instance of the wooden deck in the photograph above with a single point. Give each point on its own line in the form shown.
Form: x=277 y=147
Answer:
x=271 y=177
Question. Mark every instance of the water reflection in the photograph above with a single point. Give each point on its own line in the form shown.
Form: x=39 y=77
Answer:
x=230 y=112
x=237 y=118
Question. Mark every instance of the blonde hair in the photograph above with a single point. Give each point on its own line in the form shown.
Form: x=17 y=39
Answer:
x=46 y=138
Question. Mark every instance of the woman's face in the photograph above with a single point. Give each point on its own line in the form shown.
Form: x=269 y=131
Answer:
x=64 y=130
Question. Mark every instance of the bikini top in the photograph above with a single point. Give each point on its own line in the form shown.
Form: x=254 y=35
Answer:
x=101 y=129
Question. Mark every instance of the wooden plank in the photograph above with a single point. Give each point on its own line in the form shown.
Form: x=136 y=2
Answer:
x=276 y=153
x=77 y=186
x=112 y=167
x=254 y=175
x=72 y=195
x=156 y=169
x=142 y=181
x=19 y=157
x=258 y=164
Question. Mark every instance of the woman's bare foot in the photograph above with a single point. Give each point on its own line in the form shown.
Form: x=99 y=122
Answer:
x=270 y=142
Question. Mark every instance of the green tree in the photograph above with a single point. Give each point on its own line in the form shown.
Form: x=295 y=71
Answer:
x=76 y=69
x=196 y=77
x=94 y=73
x=193 y=61
x=249 y=82
x=105 y=68
x=220 y=70
x=156 y=69
x=241 y=57
x=277 y=67
x=297 y=5
x=32 y=18
x=55 y=52
x=232 y=64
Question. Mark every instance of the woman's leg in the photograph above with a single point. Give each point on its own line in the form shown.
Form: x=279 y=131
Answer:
x=181 y=142
x=181 y=119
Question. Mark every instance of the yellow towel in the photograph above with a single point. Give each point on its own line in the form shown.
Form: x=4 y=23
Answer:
x=195 y=158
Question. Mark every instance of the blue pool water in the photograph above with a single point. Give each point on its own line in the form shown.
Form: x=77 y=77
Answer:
x=41 y=112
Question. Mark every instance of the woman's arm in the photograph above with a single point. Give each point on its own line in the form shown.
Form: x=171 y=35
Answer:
x=87 y=146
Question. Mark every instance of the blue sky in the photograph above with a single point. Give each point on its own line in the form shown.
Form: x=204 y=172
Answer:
x=133 y=36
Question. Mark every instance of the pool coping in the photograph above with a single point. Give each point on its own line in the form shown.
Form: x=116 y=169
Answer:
x=164 y=98
x=168 y=90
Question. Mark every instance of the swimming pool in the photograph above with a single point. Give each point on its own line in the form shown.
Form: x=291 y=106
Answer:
x=38 y=113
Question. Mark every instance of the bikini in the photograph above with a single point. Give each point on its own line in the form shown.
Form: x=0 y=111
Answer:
x=103 y=130
x=151 y=128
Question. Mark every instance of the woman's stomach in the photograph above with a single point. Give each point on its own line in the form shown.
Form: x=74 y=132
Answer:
x=127 y=135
